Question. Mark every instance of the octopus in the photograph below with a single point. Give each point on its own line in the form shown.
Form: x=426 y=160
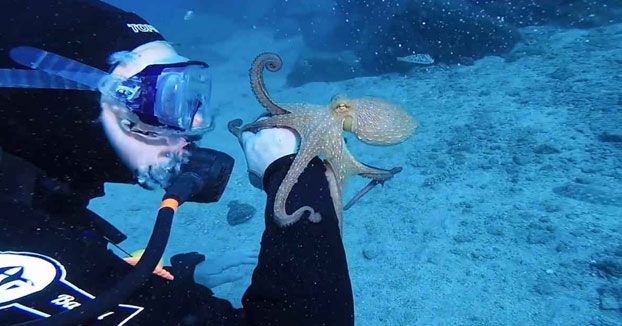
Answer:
x=320 y=130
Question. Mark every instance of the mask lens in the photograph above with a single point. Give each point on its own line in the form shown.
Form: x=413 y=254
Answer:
x=182 y=99
x=198 y=91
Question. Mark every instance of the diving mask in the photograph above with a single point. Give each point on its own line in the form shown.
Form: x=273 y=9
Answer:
x=174 y=97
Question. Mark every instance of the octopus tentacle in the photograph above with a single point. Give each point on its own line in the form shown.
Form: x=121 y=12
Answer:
x=353 y=166
x=335 y=195
x=272 y=62
x=305 y=155
x=277 y=121
x=234 y=128
x=350 y=166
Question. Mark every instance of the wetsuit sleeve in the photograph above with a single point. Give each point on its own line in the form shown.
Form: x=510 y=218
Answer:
x=302 y=274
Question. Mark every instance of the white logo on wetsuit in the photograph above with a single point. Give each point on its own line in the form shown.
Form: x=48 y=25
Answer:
x=24 y=274
x=142 y=28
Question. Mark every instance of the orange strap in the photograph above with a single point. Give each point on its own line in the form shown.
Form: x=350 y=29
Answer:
x=170 y=203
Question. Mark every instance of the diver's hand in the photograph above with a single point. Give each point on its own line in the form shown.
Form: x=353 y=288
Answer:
x=264 y=147
x=215 y=271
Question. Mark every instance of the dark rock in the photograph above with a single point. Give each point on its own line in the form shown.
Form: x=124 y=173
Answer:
x=449 y=31
x=494 y=230
x=539 y=236
x=551 y=208
x=562 y=247
x=583 y=180
x=464 y=237
x=543 y=287
x=608 y=267
x=589 y=194
x=372 y=251
x=540 y=232
x=239 y=212
x=561 y=74
x=610 y=298
x=610 y=138
x=522 y=50
x=567 y=13
x=521 y=160
x=592 y=169
x=546 y=149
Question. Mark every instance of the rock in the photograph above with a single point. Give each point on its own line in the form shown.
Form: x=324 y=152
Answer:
x=464 y=237
x=239 y=212
x=561 y=74
x=562 y=247
x=610 y=138
x=372 y=251
x=610 y=298
x=521 y=160
x=592 y=169
x=543 y=287
x=456 y=32
x=494 y=230
x=522 y=50
x=546 y=149
x=608 y=267
x=609 y=302
x=589 y=194
x=567 y=13
x=540 y=233
x=539 y=237
x=583 y=180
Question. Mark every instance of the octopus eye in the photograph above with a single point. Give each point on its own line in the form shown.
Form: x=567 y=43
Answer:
x=342 y=107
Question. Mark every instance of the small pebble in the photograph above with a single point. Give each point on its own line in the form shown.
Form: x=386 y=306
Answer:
x=371 y=252
x=546 y=149
x=239 y=212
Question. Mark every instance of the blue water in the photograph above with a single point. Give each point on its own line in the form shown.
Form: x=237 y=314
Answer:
x=509 y=207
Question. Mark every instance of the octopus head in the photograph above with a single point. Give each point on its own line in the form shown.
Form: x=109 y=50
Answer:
x=374 y=121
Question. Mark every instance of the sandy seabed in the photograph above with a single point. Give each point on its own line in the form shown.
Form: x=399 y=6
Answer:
x=509 y=207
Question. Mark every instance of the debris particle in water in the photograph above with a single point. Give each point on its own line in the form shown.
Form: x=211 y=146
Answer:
x=189 y=15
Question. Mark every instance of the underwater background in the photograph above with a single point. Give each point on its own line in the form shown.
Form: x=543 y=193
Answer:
x=508 y=210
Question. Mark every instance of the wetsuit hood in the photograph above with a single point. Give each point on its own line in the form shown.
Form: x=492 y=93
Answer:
x=59 y=131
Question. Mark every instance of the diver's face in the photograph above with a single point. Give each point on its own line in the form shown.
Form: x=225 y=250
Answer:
x=154 y=159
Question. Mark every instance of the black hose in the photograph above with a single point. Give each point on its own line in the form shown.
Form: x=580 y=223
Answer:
x=209 y=167
x=125 y=287
x=184 y=187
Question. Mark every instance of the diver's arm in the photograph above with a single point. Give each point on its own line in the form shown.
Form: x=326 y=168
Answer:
x=302 y=275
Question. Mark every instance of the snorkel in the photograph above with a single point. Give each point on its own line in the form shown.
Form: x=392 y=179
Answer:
x=161 y=157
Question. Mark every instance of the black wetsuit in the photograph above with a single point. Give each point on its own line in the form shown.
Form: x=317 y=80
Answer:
x=53 y=250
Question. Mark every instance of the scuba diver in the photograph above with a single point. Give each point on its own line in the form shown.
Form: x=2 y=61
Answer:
x=91 y=94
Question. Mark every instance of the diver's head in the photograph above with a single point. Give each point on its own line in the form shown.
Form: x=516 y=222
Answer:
x=59 y=115
x=154 y=104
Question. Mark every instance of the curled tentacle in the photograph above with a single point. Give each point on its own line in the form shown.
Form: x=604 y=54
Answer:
x=273 y=63
x=234 y=127
x=291 y=178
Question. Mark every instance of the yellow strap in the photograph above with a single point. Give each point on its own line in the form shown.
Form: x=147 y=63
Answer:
x=170 y=203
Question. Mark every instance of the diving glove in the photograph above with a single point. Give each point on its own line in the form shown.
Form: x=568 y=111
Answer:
x=264 y=147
